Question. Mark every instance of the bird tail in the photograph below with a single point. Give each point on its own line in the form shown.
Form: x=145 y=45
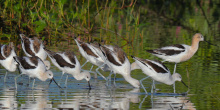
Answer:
x=150 y=51
x=137 y=59
x=11 y=45
x=22 y=36
x=49 y=52
x=17 y=59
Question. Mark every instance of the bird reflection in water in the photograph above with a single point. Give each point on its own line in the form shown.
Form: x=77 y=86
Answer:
x=8 y=99
x=101 y=100
x=37 y=100
x=169 y=102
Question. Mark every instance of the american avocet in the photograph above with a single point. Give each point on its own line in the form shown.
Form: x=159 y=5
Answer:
x=34 y=47
x=179 y=52
x=33 y=67
x=67 y=62
x=90 y=53
x=6 y=58
x=157 y=71
x=119 y=63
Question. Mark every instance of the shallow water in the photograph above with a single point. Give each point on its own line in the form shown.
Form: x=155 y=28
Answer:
x=78 y=96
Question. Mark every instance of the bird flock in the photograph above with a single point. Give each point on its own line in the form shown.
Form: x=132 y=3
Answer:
x=105 y=57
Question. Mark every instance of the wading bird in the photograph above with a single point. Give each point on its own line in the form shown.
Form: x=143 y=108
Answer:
x=67 y=62
x=158 y=72
x=33 y=67
x=6 y=58
x=118 y=62
x=34 y=47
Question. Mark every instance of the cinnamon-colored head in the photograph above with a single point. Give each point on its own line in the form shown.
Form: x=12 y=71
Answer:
x=198 y=37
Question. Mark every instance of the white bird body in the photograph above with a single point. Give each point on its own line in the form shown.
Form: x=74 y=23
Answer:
x=6 y=57
x=34 y=67
x=67 y=62
x=89 y=52
x=157 y=71
x=41 y=53
x=34 y=47
x=179 y=52
x=118 y=62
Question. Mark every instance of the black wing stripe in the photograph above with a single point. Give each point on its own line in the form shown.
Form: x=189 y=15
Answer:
x=168 y=52
x=157 y=68
x=88 y=50
x=27 y=46
x=110 y=57
x=25 y=64
x=148 y=63
x=59 y=59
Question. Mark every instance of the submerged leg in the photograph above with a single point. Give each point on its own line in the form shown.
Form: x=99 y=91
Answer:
x=114 y=80
x=33 y=84
x=61 y=78
x=66 y=81
x=84 y=63
x=140 y=105
x=5 y=75
x=97 y=71
x=91 y=70
x=174 y=71
x=153 y=87
x=174 y=90
x=109 y=79
x=16 y=80
x=143 y=85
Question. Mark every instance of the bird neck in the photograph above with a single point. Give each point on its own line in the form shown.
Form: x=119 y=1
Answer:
x=131 y=80
x=43 y=77
x=195 y=45
x=171 y=80
x=79 y=76
x=134 y=66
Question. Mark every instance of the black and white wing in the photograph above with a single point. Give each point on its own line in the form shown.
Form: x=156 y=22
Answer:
x=169 y=50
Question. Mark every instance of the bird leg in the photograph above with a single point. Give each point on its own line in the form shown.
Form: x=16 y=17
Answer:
x=174 y=88
x=174 y=71
x=143 y=85
x=97 y=71
x=84 y=63
x=33 y=84
x=114 y=80
x=66 y=81
x=140 y=105
x=174 y=82
x=109 y=79
x=61 y=78
x=153 y=86
x=91 y=71
x=5 y=75
x=16 y=80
